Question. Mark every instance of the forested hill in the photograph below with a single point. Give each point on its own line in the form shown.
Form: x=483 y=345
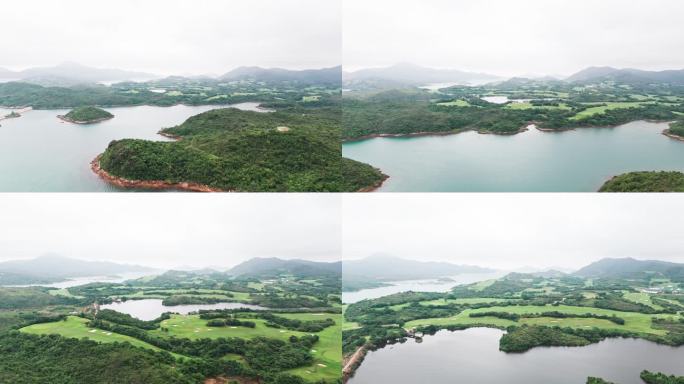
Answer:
x=293 y=149
x=275 y=266
x=632 y=268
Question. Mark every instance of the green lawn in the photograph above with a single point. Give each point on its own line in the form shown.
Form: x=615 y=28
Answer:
x=641 y=298
x=634 y=322
x=603 y=108
x=327 y=354
x=527 y=105
x=455 y=103
x=75 y=327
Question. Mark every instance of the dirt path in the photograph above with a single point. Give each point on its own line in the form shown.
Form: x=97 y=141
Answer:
x=358 y=355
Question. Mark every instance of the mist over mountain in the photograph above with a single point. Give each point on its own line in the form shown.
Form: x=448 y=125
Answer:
x=331 y=75
x=627 y=76
x=410 y=74
x=632 y=269
x=274 y=266
x=69 y=73
x=390 y=268
x=53 y=268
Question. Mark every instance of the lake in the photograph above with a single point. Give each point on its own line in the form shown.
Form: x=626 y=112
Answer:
x=41 y=153
x=473 y=356
x=427 y=285
x=150 y=309
x=579 y=160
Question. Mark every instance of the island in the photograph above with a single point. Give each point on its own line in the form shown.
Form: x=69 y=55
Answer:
x=235 y=150
x=86 y=115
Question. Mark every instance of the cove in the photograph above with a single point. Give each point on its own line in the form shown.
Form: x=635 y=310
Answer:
x=473 y=356
x=579 y=160
x=41 y=153
x=150 y=309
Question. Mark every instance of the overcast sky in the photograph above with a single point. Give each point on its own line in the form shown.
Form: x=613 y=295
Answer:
x=509 y=38
x=513 y=231
x=171 y=230
x=172 y=36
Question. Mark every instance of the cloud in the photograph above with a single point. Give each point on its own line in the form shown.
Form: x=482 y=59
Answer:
x=510 y=231
x=172 y=36
x=168 y=230
x=514 y=37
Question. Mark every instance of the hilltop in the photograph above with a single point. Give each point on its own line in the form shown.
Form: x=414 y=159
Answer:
x=86 y=115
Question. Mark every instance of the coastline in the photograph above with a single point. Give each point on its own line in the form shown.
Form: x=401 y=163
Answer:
x=376 y=186
x=148 y=184
x=68 y=120
x=672 y=136
x=485 y=132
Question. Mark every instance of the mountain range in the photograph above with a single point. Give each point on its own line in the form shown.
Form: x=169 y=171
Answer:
x=390 y=268
x=411 y=74
x=69 y=74
x=53 y=268
x=629 y=268
x=275 y=266
x=627 y=76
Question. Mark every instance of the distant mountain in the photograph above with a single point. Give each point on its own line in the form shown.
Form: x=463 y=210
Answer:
x=389 y=268
x=274 y=266
x=68 y=73
x=331 y=75
x=632 y=269
x=51 y=268
x=410 y=74
x=627 y=76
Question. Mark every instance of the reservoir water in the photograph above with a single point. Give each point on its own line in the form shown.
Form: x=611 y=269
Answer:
x=579 y=160
x=41 y=153
x=473 y=356
x=150 y=309
x=427 y=285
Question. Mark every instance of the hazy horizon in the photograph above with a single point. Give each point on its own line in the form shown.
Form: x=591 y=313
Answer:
x=169 y=230
x=173 y=37
x=510 y=39
x=513 y=231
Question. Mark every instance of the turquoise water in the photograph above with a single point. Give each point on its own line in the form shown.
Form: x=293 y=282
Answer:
x=580 y=160
x=40 y=153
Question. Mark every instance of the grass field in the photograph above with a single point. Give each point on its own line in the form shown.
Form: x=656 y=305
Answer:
x=527 y=105
x=327 y=354
x=75 y=327
x=455 y=103
x=634 y=322
x=603 y=108
x=641 y=298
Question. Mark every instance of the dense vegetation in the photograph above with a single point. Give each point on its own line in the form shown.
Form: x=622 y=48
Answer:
x=645 y=182
x=551 y=106
x=87 y=115
x=236 y=150
x=547 y=309
x=287 y=344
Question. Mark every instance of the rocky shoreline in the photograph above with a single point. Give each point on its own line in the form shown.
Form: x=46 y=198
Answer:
x=376 y=186
x=148 y=184
x=69 y=120
x=672 y=135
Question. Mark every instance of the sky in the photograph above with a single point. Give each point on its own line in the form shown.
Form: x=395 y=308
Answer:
x=171 y=230
x=168 y=37
x=514 y=38
x=514 y=231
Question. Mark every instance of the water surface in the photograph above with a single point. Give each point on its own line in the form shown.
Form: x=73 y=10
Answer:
x=579 y=160
x=473 y=356
x=40 y=153
x=427 y=285
x=150 y=309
